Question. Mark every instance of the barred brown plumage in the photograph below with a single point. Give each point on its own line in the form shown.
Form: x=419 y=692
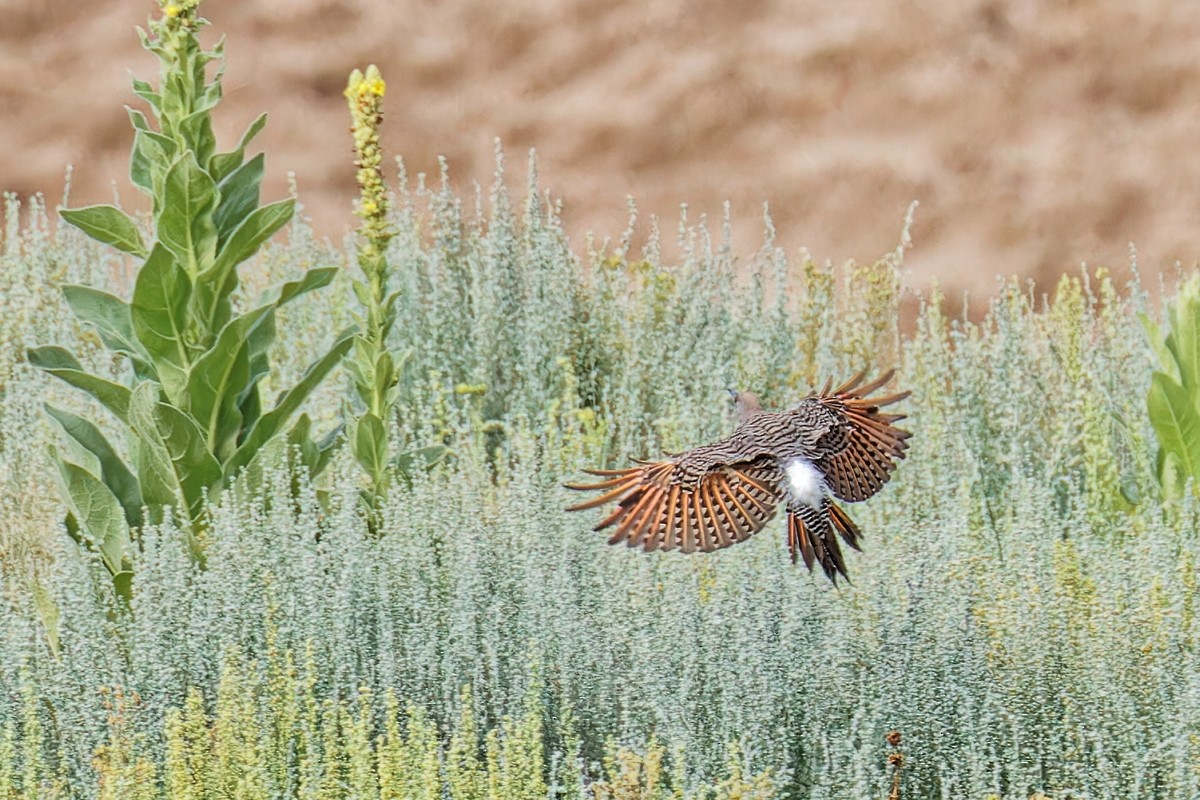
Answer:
x=834 y=444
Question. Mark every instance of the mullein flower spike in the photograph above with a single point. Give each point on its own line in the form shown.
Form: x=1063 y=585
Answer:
x=365 y=96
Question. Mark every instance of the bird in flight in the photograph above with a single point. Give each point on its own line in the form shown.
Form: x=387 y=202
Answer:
x=835 y=444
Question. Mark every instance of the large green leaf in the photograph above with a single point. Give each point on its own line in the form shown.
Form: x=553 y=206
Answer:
x=313 y=456
x=111 y=468
x=108 y=314
x=263 y=334
x=176 y=96
x=185 y=221
x=368 y=440
x=173 y=464
x=253 y=476
x=149 y=161
x=107 y=224
x=299 y=440
x=198 y=133
x=59 y=362
x=1184 y=339
x=159 y=316
x=250 y=234
x=223 y=164
x=325 y=449
x=313 y=279
x=96 y=511
x=239 y=196
x=218 y=379
x=209 y=386
x=1176 y=422
x=289 y=403
x=216 y=283
x=250 y=401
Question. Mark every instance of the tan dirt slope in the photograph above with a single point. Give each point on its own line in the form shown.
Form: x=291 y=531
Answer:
x=1034 y=134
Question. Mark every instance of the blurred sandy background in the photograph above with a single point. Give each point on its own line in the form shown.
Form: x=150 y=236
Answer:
x=1035 y=135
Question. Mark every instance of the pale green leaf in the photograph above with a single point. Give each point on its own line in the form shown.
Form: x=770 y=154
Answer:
x=239 y=196
x=1158 y=342
x=1176 y=422
x=185 y=221
x=198 y=133
x=1184 y=340
x=219 y=378
x=59 y=362
x=137 y=119
x=368 y=440
x=223 y=164
x=220 y=280
x=272 y=422
x=97 y=512
x=144 y=90
x=149 y=161
x=159 y=317
x=173 y=464
x=109 y=466
x=108 y=314
x=107 y=224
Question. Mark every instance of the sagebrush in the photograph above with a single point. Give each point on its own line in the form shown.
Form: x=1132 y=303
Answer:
x=1024 y=611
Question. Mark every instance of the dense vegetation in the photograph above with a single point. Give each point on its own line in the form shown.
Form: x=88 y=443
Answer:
x=1024 y=612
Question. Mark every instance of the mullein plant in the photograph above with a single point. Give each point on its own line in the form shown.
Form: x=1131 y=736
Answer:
x=1173 y=402
x=190 y=406
x=374 y=369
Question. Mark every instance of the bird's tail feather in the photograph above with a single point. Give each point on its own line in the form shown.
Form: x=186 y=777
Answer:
x=813 y=536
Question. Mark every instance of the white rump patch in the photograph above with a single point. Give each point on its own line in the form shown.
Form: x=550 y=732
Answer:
x=805 y=482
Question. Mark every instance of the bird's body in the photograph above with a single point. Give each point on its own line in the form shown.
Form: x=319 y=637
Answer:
x=833 y=444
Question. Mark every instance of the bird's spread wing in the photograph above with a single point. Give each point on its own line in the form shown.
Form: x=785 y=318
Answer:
x=659 y=507
x=861 y=453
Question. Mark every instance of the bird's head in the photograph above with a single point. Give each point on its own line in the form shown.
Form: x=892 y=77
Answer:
x=745 y=404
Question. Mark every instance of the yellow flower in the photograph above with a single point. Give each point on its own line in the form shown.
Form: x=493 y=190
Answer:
x=172 y=11
x=364 y=86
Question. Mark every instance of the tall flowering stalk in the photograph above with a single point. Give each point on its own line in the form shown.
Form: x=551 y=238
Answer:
x=365 y=94
x=375 y=371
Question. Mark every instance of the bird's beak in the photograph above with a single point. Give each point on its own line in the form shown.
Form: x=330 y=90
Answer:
x=732 y=394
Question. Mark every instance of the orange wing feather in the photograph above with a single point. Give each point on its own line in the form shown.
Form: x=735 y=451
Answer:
x=873 y=443
x=656 y=512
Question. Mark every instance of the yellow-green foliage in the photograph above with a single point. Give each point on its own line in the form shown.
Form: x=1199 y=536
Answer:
x=630 y=775
x=189 y=771
x=466 y=775
x=8 y=759
x=239 y=769
x=123 y=771
x=515 y=754
x=234 y=752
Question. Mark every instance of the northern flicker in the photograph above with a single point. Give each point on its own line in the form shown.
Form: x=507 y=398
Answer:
x=835 y=444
